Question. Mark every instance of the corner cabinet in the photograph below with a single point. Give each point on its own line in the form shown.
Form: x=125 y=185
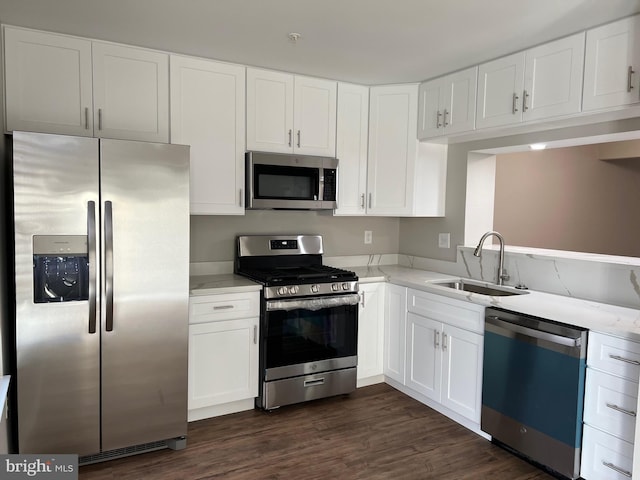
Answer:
x=208 y=113
x=447 y=105
x=74 y=86
x=223 y=353
x=404 y=177
x=370 y=333
x=290 y=113
x=539 y=83
x=612 y=65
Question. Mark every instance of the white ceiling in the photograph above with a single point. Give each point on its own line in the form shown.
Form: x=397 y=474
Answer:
x=362 y=41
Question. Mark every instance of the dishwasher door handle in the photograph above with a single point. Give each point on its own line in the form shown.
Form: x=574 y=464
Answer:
x=530 y=332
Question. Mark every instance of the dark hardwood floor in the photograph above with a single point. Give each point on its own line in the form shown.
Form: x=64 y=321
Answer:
x=374 y=433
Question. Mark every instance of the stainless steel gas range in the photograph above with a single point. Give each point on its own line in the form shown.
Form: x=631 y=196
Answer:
x=309 y=319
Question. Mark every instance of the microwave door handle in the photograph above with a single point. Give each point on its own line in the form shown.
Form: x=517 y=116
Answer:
x=321 y=186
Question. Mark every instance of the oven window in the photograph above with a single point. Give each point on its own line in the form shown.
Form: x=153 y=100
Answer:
x=287 y=183
x=300 y=336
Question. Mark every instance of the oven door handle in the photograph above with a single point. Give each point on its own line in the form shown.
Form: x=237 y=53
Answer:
x=315 y=303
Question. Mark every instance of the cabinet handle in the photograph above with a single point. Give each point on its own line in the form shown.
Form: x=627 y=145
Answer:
x=621 y=410
x=625 y=360
x=290 y=133
x=525 y=95
x=621 y=471
x=514 y=105
x=361 y=299
x=99 y=119
x=445 y=117
x=222 y=307
x=630 y=72
x=362 y=201
x=240 y=198
x=438 y=115
x=444 y=341
x=298 y=138
x=370 y=200
x=86 y=118
x=255 y=334
x=436 y=342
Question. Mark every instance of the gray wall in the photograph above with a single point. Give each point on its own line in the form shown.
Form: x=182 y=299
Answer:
x=213 y=237
x=419 y=237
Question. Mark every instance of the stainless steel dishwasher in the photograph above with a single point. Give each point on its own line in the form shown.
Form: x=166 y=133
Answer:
x=533 y=388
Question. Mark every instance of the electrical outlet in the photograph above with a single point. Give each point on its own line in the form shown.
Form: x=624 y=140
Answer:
x=444 y=240
x=368 y=237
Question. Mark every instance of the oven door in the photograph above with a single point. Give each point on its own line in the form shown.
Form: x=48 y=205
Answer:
x=310 y=335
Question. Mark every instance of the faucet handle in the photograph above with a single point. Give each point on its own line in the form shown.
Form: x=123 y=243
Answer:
x=504 y=275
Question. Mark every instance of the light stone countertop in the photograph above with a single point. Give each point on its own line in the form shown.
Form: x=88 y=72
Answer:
x=221 y=283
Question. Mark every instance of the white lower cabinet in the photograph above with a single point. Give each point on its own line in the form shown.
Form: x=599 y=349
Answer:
x=395 y=320
x=605 y=457
x=370 y=333
x=223 y=353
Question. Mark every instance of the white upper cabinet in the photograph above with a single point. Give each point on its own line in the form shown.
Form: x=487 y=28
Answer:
x=404 y=177
x=351 y=148
x=130 y=93
x=208 y=113
x=290 y=114
x=447 y=105
x=540 y=83
x=68 y=85
x=612 y=65
x=48 y=83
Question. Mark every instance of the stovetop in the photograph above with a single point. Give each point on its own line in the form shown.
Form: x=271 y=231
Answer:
x=298 y=275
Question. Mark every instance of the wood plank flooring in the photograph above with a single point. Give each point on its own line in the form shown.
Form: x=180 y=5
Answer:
x=374 y=433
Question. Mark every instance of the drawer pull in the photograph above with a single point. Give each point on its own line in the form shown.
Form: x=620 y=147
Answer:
x=625 y=360
x=314 y=382
x=620 y=409
x=617 y=469
x=222 y=307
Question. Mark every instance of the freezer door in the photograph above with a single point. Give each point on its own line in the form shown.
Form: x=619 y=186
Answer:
x=145 y=247
x=57 y=343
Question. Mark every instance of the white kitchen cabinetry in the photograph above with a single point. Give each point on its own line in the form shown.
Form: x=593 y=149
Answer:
x=208 y=113
x=223 y=353
x=352 y=133
x=370 y=333
x=404 y=177
x=290 y=114
x=68 y=85
x=48 y=83
x=444 y=352
x=612 y=65
x=610 y=408
x=395 y=319
x=447 y=105
x=539 y=83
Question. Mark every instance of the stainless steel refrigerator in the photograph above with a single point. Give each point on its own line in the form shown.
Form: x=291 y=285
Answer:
x=102 y=274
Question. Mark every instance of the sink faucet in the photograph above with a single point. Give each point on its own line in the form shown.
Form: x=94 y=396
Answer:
x=502 y=273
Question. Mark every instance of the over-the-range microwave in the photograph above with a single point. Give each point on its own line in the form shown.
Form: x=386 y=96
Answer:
x=285 y=181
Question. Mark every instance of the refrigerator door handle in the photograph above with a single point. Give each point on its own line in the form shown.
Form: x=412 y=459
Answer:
x=108 y=264
x=93 y=278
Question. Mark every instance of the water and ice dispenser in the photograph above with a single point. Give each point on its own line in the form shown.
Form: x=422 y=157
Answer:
x=60 y=268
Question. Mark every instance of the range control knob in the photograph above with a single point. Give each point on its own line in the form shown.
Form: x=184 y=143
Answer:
x=315 y=288
x=335 y=287
x=345 y=286
x=282 y=290
x=294 y=289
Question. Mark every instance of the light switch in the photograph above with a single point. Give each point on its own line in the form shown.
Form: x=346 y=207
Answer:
x=368 y=237
x=444 y=240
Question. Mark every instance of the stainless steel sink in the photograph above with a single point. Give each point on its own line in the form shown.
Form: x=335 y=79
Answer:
x=472 y=287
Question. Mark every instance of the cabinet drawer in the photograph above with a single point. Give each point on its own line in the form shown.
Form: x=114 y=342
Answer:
x=614 y=355
x=610 y=404
x=605 y=457
x=211 y=308
x=454 y=312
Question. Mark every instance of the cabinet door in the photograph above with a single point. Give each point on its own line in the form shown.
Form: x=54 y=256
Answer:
x=424 y=359
x=351 y=148
x=370 y=330
x=269 y=111
x=223 y=362
x=130 y=93
x=207 y=112
x=314 y=116
x=462 y=371
x=48 y=83
x=612 y=65
x=553 y=78
x=500 y=87
x=394 y=332
x=459 y=101
x=430 y=122
x=392 y=149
